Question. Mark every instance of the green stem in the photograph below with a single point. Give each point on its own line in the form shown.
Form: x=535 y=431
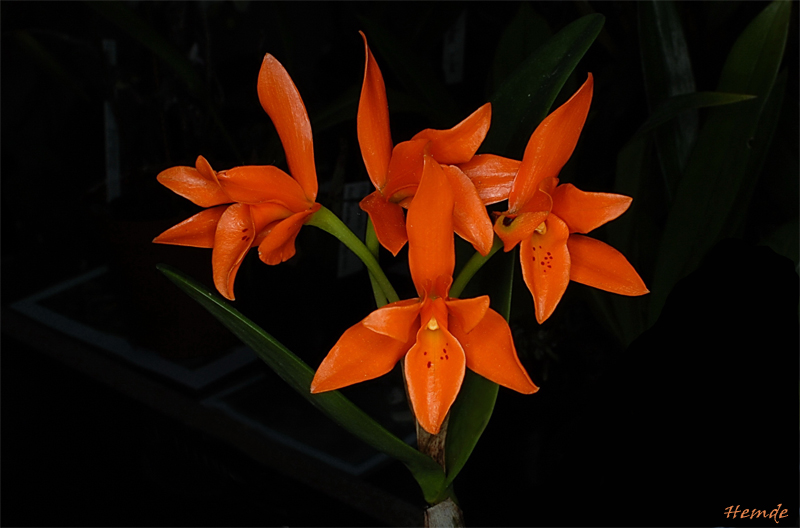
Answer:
x=471 y=268
x=330 y=223
x=373 y=246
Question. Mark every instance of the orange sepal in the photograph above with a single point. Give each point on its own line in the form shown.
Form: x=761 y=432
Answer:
x=405 y=170
x=550 y=146
x=388 y=219
x=546 y=266
x=193 y=185
x=468 y=312
x=281 y=100
x=232 y=239
x=278 y=244
x=195 y=231
x=431 y=251
x=395 y=320
x=470 y=219
x=490 y=352
x=585 y=211
x=359 y=355
x=595 y=263
x=434 y=369
x=491 y=175
x=253 y=184
x=459 y=144
x=372 y=122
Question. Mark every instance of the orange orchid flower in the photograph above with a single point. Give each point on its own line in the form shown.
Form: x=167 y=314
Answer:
x=251 y=206
x=439 y=336
x=395 y=170
x=548 y=220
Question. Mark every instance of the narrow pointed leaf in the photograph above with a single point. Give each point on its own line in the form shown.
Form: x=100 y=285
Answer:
x=720 y=162
x=473 y=408
x=526 y=97
x=298 y=375
x=667 y=72
x=674 y=107
x=524 y=34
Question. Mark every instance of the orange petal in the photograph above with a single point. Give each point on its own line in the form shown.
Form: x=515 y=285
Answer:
x=359 y=355
x=405 y=170
x=490 y=352
x=395 y=320
x=513 y=229
x=195 y=231
x=459 y=144
x=263 y=183
x=584 y=211
x=434 y=369
x=374 y=135
x=491 y=175
x=550 y=146
x=545 y=266
x=231 y=241
x=468 y=312
x=265 y=217
x=278 y=244
x=470 y=219
x=282 y=102
x=388 y=220
x=192 y=185
x=599 y=265
x=431 y=250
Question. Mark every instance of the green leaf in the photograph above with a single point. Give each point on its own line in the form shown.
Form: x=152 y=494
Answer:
x=667 y=72
x=673 y=107
x=473 y=408
x=526 y=97
x=719 y=163
x=761 y=147
x=635 y=234
x=298 y=375
x=526 y=32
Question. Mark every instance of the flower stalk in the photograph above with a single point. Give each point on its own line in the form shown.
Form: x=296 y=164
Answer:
x=371 y=241
x=330 y=223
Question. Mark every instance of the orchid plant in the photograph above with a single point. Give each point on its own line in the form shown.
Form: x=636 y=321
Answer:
x=428 y=189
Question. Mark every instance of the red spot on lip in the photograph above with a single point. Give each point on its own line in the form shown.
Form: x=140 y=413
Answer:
x=430 y=364
x=244 y=237
x=244 y=230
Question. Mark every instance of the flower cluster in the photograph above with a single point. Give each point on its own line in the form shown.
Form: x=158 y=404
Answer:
x=445 y=187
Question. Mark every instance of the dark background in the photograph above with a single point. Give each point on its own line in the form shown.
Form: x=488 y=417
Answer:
x=697 y=414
